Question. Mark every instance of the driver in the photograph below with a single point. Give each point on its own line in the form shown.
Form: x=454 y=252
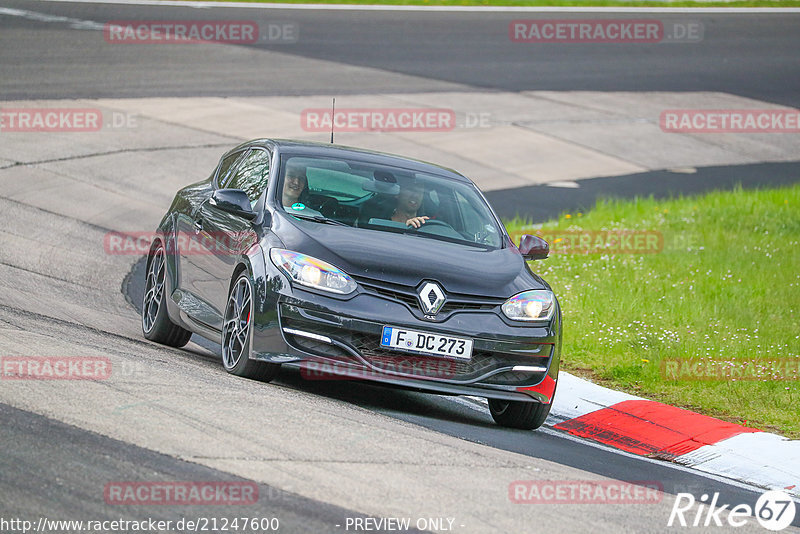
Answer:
x=409 y=201
x=295 y=185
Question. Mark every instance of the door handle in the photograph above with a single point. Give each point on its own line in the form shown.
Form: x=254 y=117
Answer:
x=198 y=226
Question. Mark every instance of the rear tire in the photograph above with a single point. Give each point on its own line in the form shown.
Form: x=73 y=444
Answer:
x=156 y=324
x=237 y=334
x=519 y=414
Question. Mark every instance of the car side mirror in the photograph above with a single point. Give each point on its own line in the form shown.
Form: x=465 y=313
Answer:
x=533 y=247
x=233 y=201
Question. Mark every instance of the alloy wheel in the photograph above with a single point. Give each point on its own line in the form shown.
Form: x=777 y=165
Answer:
x=236 y=327
x=154 y=290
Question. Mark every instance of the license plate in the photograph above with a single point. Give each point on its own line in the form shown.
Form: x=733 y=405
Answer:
x=426 y=343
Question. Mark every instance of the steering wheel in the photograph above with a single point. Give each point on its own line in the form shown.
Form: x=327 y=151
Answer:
x=434 y=222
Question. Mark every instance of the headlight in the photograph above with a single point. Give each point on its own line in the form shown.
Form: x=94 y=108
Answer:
x=537 y=305
x=312 y=272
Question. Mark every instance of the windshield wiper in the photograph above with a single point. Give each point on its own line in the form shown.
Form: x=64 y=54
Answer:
x=319 y=219
x=446 y=239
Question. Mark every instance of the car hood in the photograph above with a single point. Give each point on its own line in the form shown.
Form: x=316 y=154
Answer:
x=408 y=259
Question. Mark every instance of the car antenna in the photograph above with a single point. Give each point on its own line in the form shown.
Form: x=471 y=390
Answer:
x=333 y=111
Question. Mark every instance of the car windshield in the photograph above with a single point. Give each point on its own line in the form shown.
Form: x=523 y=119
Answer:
x=386 y=199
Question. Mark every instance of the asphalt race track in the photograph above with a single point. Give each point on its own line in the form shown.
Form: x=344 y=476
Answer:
x=753 y=55
x=323 y=454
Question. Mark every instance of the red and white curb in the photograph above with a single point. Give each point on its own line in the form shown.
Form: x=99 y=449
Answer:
x=660 y=431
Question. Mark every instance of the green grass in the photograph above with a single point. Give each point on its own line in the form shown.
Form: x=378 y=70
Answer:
x=726 y=286
x=541 y=3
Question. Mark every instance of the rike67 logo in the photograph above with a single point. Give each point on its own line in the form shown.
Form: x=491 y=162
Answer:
x=774 y=510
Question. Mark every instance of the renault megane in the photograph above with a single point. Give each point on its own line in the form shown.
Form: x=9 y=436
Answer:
x=355 y=264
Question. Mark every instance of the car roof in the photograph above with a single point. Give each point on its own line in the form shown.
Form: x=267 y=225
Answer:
x=310 y=148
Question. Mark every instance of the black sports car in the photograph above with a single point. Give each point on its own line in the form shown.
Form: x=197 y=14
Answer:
x=357 y=265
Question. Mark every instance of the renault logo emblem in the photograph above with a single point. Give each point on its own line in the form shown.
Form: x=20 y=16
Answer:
x=431 y=298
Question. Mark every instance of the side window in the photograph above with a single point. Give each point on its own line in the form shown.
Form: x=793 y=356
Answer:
x=225 y=166
x=252 y=174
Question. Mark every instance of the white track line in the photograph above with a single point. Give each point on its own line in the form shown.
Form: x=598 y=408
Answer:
x=77 y=24
x=455 y=9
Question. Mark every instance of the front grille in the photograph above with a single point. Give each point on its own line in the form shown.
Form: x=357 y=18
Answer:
x=411 y=300
x=408 y=296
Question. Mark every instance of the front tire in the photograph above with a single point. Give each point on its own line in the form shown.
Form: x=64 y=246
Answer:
x=519 y=414
x=156 y=324
x=236 y=334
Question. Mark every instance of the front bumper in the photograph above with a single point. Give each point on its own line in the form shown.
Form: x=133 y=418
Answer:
x=330 y=338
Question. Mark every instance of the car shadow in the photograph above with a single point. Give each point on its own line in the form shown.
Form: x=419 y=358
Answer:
x=386 y=399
